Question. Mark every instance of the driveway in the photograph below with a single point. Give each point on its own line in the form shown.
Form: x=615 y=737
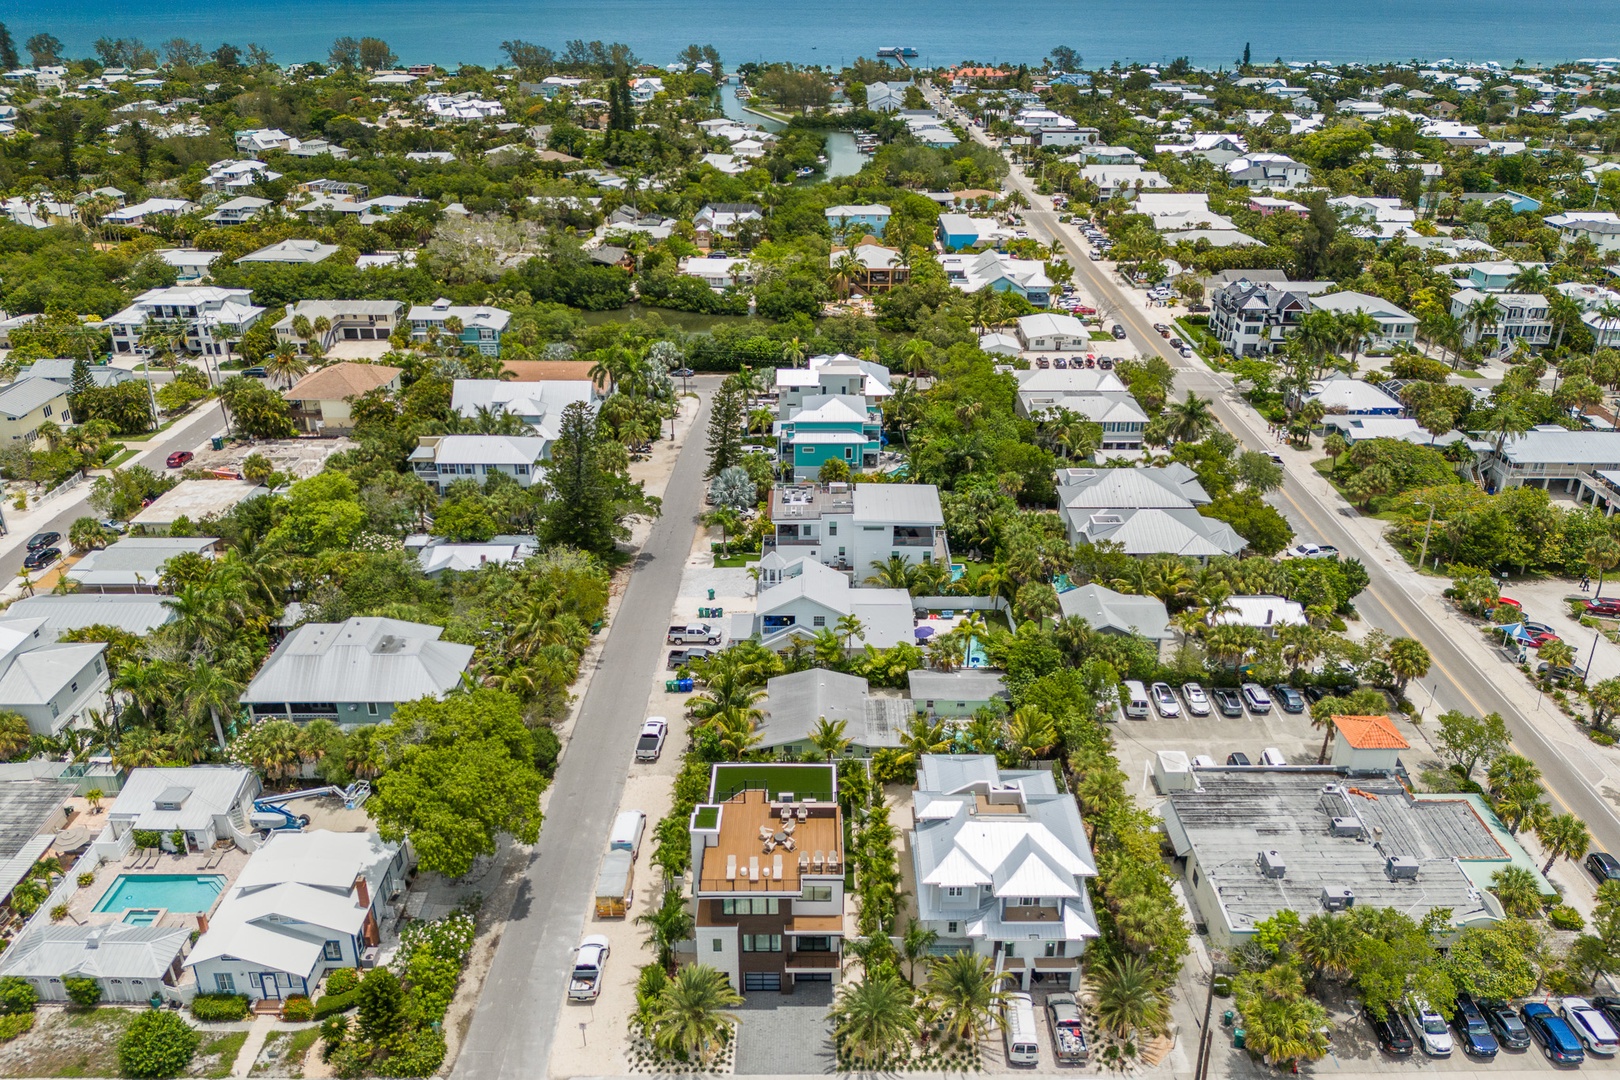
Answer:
x=511 y=1033
x=785 y=1033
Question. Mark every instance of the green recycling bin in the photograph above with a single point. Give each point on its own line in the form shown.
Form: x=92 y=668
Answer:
x=1227 y=1018
x=218 y=442
x=1237 y=1038
x=711 y=594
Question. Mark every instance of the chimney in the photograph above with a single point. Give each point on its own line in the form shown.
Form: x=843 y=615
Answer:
x=92 y=940
x=362 y=893
x=202 y=922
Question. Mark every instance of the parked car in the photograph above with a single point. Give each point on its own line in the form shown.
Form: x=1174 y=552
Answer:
x=1256 y=698
x=1237 y=757
x=1068 y=1035
x=1597 y=1035
x=681 y=657
x=1603 y=866
x=585 y=981
x=113 y=525
x=1164 y=700
x=1429 y=1027
x=1118 y=332
x=1229 y=701
x=1608 y=608
x=1610 y=1008
x=35 y=560
x=1559 y=673
x=692 y=634
x=1533 y=627
x=255 y=372
x=1197 y=701
x=179 y=458
x=1291 y=700
x=1273 y=757
x=1558 y=1040
x=43 y=540
x=1393 y=1036
x=1472 y=1030
x=1505 y=1024
x=650 y=743
x=1312 y=551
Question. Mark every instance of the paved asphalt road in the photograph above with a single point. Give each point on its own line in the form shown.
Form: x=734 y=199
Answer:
x=512 y=1029
x=1458 y=683
x=76 y=504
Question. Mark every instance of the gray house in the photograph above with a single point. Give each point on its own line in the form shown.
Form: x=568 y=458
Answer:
x=795 y=704
x=1117 y=613
x=355 y=672
x=956 y=693
x=130 y=963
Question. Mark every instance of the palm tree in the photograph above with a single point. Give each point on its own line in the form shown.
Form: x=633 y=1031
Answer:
x=829 y=739
x=737 y=736
x=1563 y=836
x=1508 y=769
x=850 y=627
x=1359 y=329
x=874 y=1018
x=1520 y=804
x=1129 y=997
x=1602 y=555
x=915 y=944
x=1031 y=732
x=1482 y=316
x=207 y=693
x=15 y=735
x=1408 y=660
x=1190 y=419
x=1328 y=942
x=922 y=737
x=893 y=573
x=1283 y=1025
x=668 y=925
x=1516 y=888
x=964 y=994
x=690 y=1018
x=285 y=363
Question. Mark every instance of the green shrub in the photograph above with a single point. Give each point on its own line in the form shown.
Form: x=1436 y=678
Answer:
x=219 y=1007
x=332 y=1004
x=147 y=838
x=1602 y=738
x=421 y=1056
x=297 y=1008
x=58 y=912
x=85 y=993
x=157 y=1044
x=1565 y=917
x=15 y=1024
x=17 y=996
x=342 y=980
x=87 y=879
x=27 y=896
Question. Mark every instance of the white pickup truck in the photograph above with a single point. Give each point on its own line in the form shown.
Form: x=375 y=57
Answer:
x=692 y=634
x=585 y=983
x=1312 y=551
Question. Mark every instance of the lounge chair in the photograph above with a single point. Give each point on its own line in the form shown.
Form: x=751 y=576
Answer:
x=753 y=868
x=803 y=813
x=789 y=826
x=766 y=832
x=731 y=868
x=787 y=811
x=817 y=860
x=804 y=861
x=770 y=845
x=832 y=861
x=789 y=844
x=776 y=868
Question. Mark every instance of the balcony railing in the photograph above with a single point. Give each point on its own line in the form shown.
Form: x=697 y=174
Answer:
x=819 y=961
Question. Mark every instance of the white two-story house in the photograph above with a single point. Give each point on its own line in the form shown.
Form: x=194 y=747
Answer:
x=441 y=460
x=206 y=319
x=1001 y=862
x=850 y=527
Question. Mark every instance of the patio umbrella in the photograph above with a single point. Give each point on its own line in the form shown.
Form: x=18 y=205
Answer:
x=1516 y=631
x=923 y=633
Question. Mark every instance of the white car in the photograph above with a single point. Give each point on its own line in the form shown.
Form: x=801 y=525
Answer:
x=1164 y=700
x=650 y=743
x=1591 y=1026
x=1197 y=701
x=1430 y=1028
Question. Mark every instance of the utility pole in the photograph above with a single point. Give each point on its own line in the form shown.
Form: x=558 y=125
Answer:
x=1424 y=555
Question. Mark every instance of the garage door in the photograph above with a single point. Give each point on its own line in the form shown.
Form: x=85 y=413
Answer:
x=825 y=976
x=762 y=980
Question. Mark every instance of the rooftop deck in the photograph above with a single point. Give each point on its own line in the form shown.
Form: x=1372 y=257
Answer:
x=740 y=863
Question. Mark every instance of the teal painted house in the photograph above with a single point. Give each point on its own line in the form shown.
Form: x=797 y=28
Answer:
x=841 y=427
x=480 y=327
x=865 y=220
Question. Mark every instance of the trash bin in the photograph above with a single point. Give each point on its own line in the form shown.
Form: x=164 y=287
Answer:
x=672 y=686
x=1237 y=1038
x=1227 y=1017
x=218 y=443
x=711 y=594
x=685 y=685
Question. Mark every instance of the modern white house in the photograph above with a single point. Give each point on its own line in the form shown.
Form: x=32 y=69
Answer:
x=1091 y=393
x=1518 y=317
x=999 y=272
x=1253 y=318
x=1601 y=227
x=538 y=403
x=795 y=704
x=1396 y=326
x=441 y=460
x=807 y=598
x=305 y=904
x=1147 y=511
x=347 y=320
x=51 y=684
x=208 y=803
x=207 y=319
x=851 y=527
x=1267 y=172
x=838 y=374
x=436 y=555
x=1002 y=863
x=355 y=672
x=135 y=563
x=1049 y=332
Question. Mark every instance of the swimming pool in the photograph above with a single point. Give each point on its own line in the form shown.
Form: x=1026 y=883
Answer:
x=976 y=656
x=142 y=916
x=176 y=892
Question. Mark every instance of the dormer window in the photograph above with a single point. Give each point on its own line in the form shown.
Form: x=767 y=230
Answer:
x=954 y=891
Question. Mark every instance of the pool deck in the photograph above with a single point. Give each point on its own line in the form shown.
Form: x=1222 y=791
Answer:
x=81 y=907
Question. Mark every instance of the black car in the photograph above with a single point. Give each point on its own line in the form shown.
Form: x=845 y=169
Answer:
x=1118 y=332
x=1237 y=757
x=1392 y=1033
x=1610 y=1008
x=43 y=540
x=255 y=373
x=1472 y=1031
x=1229 y=701
x=1505 y=1024
x=1291 y=700
x=1603 y=866
x=42 y=557
x=684 y=657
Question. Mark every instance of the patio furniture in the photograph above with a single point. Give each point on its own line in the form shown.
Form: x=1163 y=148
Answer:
x=776 y=868
x=764 y=832
x=770 y=845
x=753 y=868
x=731 y=868
x=832 y=861
x=789 y=826
x=804 y=861
x=817 y=861
x=803 y=812
x=789 y=844
x=787 y=811
x=779 y=836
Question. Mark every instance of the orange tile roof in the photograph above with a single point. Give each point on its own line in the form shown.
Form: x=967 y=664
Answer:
x=1370 y=733
x=342 y=380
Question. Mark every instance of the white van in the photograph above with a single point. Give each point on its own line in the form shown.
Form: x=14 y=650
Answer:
x=627 y=830
x=1135 y=699
x=1018 y=1028
x=1272 y=756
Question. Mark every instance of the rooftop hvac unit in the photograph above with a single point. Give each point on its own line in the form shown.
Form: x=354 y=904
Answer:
x=1272 y=865
x=1337 y=898
x=1347 y=826
x=368 y=958
x=1401 y=868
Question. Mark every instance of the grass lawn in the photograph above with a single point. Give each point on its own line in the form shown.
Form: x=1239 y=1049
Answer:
x=1101 y=335
x=735 y=561
x=218 y=1055
x=290 y=1047
x=72 y=1043
x=120 y=459
x=802 y=780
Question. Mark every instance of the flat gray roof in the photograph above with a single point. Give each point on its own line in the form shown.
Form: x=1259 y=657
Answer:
x=26 y=806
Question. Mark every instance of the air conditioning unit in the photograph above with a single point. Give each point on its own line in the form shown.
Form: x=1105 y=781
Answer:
x=1401 y=868
x=368 y=959
x=1337 y=898
x=1347 y=826
x=1272 y=864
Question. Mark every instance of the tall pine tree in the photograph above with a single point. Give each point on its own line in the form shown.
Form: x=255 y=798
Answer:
x=8 y=50
x=726 y=418
x=580 y=511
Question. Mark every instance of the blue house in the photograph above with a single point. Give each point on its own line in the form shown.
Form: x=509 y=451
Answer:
x=477 y=328
x=958 y=231
x=843 y=427
x=868 y=220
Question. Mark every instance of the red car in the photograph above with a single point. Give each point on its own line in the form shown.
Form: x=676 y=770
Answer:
x=1538 y=640
x=179 y=458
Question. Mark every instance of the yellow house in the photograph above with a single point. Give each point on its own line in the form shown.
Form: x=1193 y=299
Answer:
x=28 y=403
x=320 y=400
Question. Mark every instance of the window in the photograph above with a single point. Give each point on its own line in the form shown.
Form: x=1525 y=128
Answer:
x=1030 y=901
x=817 y=894
x=1195 y=877
x=832 y=528
x=47 y=411
x=73 y=687
x=225 y=984
x=762 y=943
x=371 y=708
x=333 y=950
x=819 y=620
x=1054 y=948
x=253 y=978
x=750 y=905
x=954 y=891
x=950 y=928
x=719 y=946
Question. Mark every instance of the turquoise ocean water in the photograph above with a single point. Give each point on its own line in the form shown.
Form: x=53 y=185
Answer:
x=1211 y=32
